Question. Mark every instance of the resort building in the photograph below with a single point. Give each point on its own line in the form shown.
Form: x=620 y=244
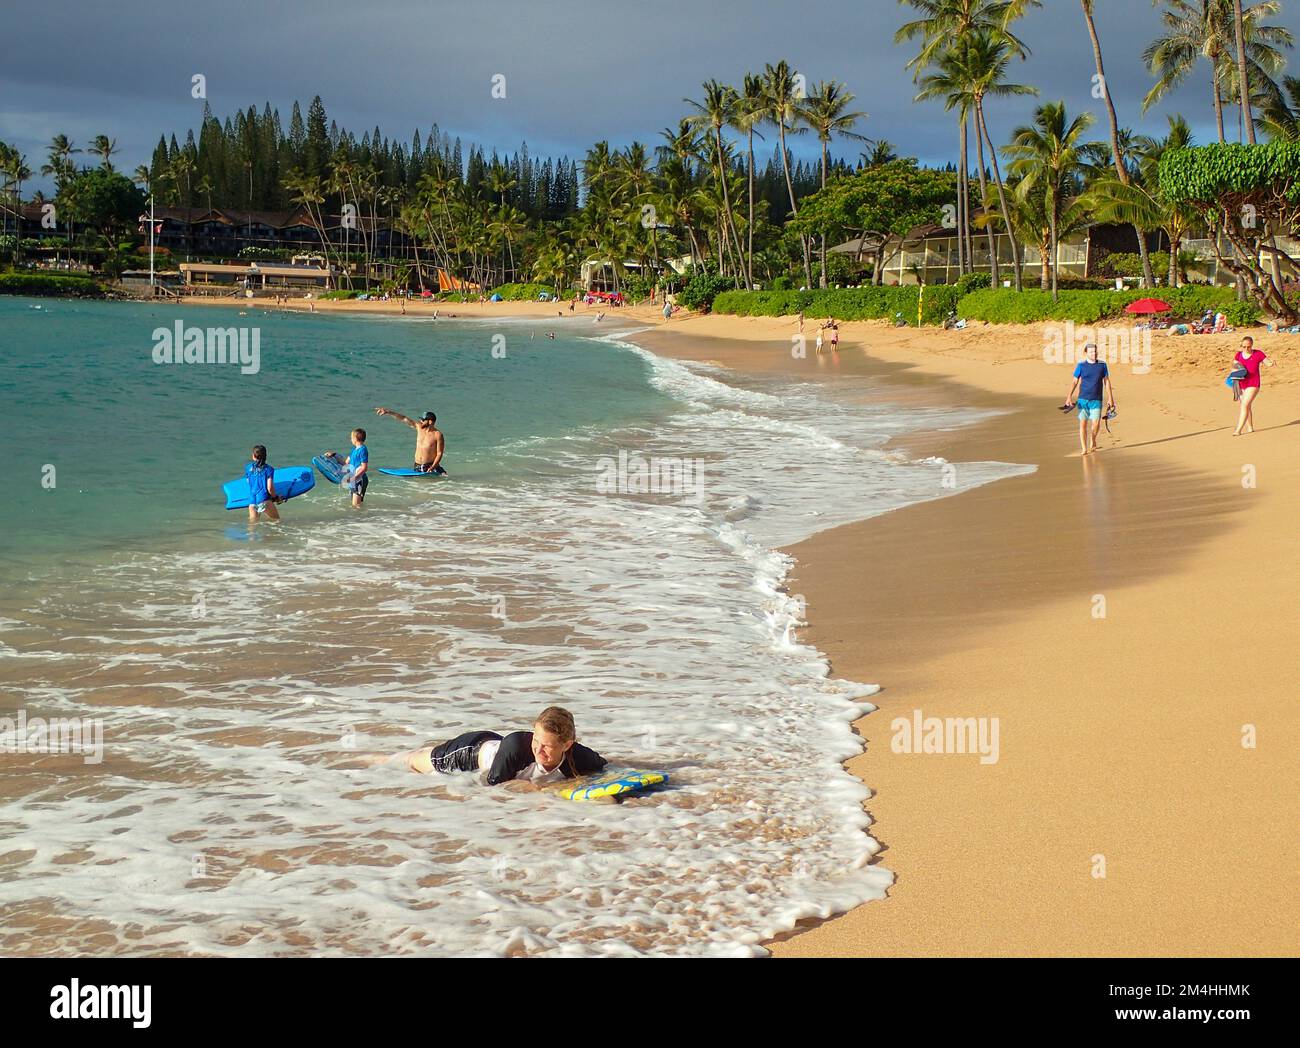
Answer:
x=929 y=253
x=257 y=276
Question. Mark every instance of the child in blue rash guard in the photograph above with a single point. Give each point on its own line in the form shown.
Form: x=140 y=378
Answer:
x=357 y=470
x=359 y=464
x=261 y=487
x=549 y=753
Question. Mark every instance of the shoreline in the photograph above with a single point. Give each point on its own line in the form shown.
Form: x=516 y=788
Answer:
x=1122 y=743
x=1119 y=747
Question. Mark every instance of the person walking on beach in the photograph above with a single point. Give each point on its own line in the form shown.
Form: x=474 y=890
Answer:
x=261 y=487
x=1091 y=380
x=548 y=753
x=1251 y=359
x=429 y=443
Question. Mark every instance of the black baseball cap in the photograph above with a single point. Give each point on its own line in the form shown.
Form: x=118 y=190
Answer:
x=428 y=416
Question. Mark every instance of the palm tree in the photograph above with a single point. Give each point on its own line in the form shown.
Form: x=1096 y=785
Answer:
x=716 y=112
x=882 y=151
x=749 y=112
x=1196 y=29
x=782 y=100
x=965 y=76
x=948 y=24
x=1280 y=121
x=825 y=111
x=1049 y=158
x=1139 y=201
x=13 y=166
x=1117 y=153
x=105 y=147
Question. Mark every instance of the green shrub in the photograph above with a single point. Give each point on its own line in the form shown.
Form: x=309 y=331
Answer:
x=1002 y=306
x=702 y=289
x=335 y=296
x=521 y=292
x=859 y=303
x=781 y=283
x=49 y=284
x=973 y=282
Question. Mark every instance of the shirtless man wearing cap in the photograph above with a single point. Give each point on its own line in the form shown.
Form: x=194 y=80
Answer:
x=428 y=439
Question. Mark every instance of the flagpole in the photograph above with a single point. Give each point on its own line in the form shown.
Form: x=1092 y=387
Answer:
x=153 y=291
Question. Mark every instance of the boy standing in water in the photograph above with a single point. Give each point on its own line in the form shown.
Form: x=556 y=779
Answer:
x=357 y=475
x=261 y=487
x=548 y=753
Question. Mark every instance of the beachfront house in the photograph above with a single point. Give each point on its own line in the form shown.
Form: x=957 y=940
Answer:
x=230 y=277
x=929 y=254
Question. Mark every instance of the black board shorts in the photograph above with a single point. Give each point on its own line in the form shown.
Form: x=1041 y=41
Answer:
x=460 y=753
x=423 y=467
x=359 y=484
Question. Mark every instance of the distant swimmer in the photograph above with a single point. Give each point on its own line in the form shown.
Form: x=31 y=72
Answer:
x=261 y=487
x=429 y=444
x=548 y=753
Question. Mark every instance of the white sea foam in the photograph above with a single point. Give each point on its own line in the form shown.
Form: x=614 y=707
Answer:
x=228 y=816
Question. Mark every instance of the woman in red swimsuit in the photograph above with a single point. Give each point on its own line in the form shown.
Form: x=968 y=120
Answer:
x=1251 y=359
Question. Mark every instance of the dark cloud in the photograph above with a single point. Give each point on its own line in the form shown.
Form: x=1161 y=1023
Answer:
x=574 y=72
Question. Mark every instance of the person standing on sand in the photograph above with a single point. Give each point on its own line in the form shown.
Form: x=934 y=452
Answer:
x=801 y=321
x=1091 y=380
x=1251 y=359
x=429 y=444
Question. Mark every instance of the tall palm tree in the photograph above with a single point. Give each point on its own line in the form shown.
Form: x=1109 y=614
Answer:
x=749 y=112
x=947 y=24
x=1196 y=29
x=1050 y=159
x=882 y=151
x=1117 y=153
x=966 y=75
x=714 y=113
x=1243 y=71
x=104 y=147
x=13 y=166
x=1139 y=201
x=1280 y=120
x=780 y=91
x=826 y=113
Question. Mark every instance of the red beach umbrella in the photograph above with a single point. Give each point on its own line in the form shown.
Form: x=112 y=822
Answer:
x=426 y=293
x=1148 y=305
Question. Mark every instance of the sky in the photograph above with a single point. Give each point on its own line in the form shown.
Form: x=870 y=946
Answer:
x=572 y=73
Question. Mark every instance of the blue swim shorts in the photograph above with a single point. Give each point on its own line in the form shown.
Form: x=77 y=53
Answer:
x=1090 y=409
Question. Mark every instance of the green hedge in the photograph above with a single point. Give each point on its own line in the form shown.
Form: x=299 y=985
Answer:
x=522 y=292
x=48 y=284
x=855 y=303
x=1003 y=306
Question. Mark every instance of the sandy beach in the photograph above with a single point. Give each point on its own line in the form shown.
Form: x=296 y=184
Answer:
x=1121 y=737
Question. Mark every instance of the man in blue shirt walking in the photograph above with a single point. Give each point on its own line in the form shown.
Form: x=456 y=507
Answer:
x=1091 y=381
